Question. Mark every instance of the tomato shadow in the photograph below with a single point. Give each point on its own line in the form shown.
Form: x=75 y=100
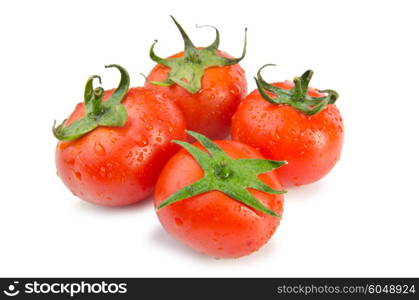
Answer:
x=298 y=193
x=94 y=208
x=162 y=239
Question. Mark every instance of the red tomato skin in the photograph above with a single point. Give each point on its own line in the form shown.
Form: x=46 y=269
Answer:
x=311 y=144
x=213 y=223
x=209 y=111
x=119 y=166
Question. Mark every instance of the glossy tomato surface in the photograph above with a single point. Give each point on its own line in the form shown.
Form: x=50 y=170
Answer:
x=213 y=223
x=209 y=111
x=119 y=166
x=311 y=144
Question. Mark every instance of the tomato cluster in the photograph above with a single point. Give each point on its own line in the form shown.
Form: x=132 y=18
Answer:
x=220 y=197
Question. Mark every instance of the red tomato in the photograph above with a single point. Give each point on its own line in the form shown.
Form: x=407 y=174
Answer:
x=119 y=165
x=311 y=144
x=208 y=111
x=214 y=223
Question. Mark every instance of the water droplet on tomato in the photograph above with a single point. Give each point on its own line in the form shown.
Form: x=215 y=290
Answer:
x=77 y=174
x=140 y=156
x=102 y=171
x=149 y=127
x=238 y=89
x=178 y=221
x=158 y=139
x=70 y=161
x=99 y=149
x=142 y=141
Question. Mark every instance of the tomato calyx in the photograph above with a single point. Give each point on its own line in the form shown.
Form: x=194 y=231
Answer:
x=297 y=97
x=230 y=176
x=98 y=112
x=187 y=71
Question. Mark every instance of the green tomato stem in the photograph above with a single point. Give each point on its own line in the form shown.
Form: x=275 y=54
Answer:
x=230 y=176
x=98 y=112
x=187 y=71
x=298 y=96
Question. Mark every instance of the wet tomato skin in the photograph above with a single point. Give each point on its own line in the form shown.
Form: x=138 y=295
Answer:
x=209 y=111
x=213 y=223
x=311 y=144
x=119 y=166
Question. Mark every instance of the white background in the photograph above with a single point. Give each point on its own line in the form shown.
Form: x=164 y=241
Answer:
x=361 y=220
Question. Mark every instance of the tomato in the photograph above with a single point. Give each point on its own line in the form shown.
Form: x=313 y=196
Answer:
x=213 y=222
x=310 y=142
x=116 y=166
x=206 y=83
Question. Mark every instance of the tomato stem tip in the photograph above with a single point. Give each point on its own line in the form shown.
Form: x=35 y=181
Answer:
x=98 y=113
x=298 y=96
x=187 y=71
